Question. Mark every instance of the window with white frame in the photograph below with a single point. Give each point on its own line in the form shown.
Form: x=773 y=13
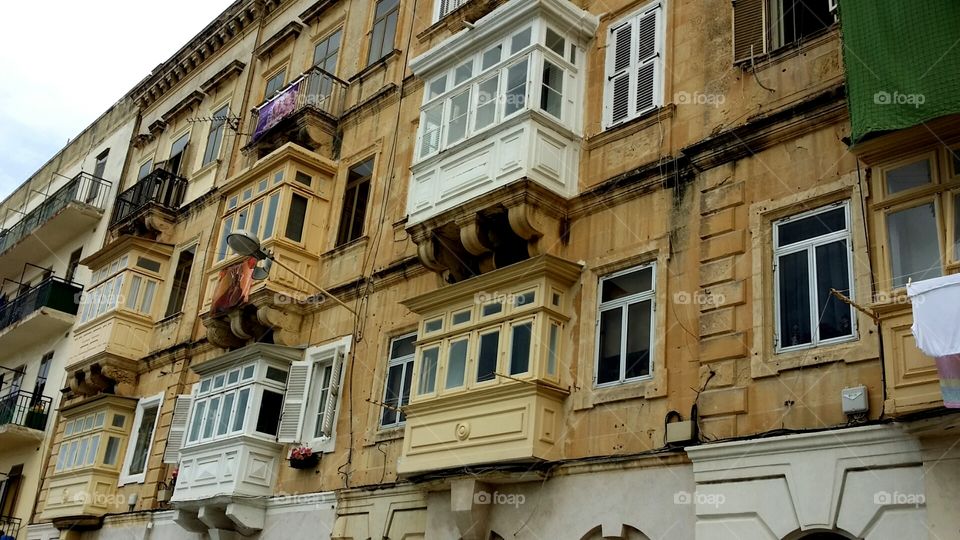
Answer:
x=634 y=65
x=531 y=69
x=141 y=440
x=224 y=403
x=445 y=7
x=811 y=256
x=396 y=390
x=625 y=326
x=313 y=390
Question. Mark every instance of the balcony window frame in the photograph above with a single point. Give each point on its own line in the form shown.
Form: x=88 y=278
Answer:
x=277 y=74
x=101 y=431
x=180 y=281
x=809 y=246
x=267 y=229
x=126 y=477
x=443 y=87
x=623 y=305
x=406 y=364
x=345 y=227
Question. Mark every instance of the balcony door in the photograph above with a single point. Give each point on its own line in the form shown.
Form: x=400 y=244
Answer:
x=177 y=151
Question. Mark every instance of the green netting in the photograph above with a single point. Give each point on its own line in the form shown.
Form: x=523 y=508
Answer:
x=902 y=60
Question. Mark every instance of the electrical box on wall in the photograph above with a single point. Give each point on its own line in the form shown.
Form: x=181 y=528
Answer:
x=679 y=432
x=855 y=400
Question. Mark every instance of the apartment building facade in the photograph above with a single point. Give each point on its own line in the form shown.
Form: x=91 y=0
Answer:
x=526 y=268
x=49 y=224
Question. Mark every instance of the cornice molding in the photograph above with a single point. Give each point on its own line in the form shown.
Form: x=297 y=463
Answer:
x=233 y=68
x=192 y=99
x=316 y=10
x=291 y=30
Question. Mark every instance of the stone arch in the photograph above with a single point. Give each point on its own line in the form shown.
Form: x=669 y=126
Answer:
x=626 y=532
x=820 y=534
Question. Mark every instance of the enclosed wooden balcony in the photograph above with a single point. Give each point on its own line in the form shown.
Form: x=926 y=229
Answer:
x=489 y=377
x=36 y=315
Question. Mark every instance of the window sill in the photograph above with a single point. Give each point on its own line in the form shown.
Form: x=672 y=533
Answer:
x=169 y=319
x=591 y=397
x=340 y=250
x=373 y=66
x=629 y=127
x=790 y=50
x=391 y=433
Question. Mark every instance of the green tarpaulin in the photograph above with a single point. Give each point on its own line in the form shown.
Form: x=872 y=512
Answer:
x=902 y=60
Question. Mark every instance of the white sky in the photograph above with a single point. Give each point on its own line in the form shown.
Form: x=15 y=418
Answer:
x=63 y=63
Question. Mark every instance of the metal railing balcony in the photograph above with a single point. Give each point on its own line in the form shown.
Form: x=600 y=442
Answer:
x=84 y=189
x=315 y=89
x=25 y=409
x=9 y=526
x=52 y=292
x=160 y=187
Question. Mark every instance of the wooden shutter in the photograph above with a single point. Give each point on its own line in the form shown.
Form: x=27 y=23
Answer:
x=648 y=55
x=619 y=62
x=747 y=29
x=333 y=395
x=294 y=402
x=178 y=429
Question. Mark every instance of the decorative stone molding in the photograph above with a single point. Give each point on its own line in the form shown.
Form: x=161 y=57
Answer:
x=470 y=511
x=233 y=68
x=251 y=321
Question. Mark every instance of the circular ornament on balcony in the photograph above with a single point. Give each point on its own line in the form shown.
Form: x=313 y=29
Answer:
x=463 y=430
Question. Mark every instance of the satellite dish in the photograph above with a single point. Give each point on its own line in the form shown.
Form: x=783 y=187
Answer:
x=262 y=270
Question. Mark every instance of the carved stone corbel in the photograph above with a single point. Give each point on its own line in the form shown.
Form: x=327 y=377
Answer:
x=220 y=334
x=470 y=506
x=527 y=222
x=285 y=324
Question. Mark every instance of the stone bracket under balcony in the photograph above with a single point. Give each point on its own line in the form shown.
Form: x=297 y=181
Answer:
x=508 y=225
x=149 y=208
x=222 y=518
x=102 y=375
x=264 y=313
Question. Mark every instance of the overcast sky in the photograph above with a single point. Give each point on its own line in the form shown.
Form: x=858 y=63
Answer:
x=63 y=63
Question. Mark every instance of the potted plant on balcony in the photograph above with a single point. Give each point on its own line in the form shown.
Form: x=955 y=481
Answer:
x=165 y=490
x=302 y=457
x=36 y=417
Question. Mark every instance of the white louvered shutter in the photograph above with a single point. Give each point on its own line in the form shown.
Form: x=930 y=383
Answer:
x=619 y=64
x=648 y=61
x=178 y=429
x=333 y=394
x=294 y=402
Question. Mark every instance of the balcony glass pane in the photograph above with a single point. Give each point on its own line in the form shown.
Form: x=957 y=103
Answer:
x=552 y=344
x=914 y=244
x=520 y=348
x=457 y=127
x=269 y=418
x=112 y=451
x=208 y=422
x=908 y=176
x=226 y=411
x=430 y=140
x=94 y=446
x=428 y=371
x=520 y=40
x=197 y=421
x=555 y=42
x=794 y=283
x=551 y=93
x=516 y=94
x=148 y=291
x=243 y=397
x=487 y=102
x=487 y=358
x=134 y=292
x=462 y=73
x=456 y=363
x=491 y=57
x=272 y=205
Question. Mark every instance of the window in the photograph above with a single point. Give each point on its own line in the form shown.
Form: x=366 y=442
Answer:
x=634 y=82
x=384 y=29
x=258 y=216
x=811 y=256
x=81 y=442
x=93 y=190
x=275 y=83
x=42 y=375
x=215 y=137
x=491 y=87
x=762 y=26
x=355 y=202
x=326 y=51
x=625 y=326
x=145 y=169
x=396 y=391
x=72 y=265
x=181 y=279
x=444 y=7
x=177 y=151
x=141 y=440
x=296 y=217
x=223 y=401
x=101 y=298
x=918 y=204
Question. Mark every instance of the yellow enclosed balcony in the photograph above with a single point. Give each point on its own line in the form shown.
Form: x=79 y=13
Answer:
x=117 y=312
x=488 y=382
x=284 y=199
x=88 y=457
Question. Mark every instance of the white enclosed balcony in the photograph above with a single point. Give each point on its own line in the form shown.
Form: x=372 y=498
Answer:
x=502 y=103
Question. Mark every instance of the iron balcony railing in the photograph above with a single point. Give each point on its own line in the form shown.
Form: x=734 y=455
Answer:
x=315 y=89
x=160 y=187
x=9 y=526
x=83 y=188
x=52 y=292
x=24 y=408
